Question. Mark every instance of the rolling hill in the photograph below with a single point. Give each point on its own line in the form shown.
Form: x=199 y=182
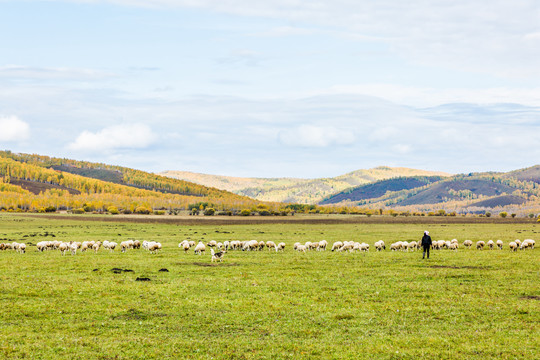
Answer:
x=293 y=190
x=472 y=192
x=33 y=182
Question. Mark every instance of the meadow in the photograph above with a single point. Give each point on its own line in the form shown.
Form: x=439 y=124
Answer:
x=467 y=304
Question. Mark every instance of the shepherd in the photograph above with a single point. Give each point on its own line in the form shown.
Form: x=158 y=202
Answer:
x=426 y=244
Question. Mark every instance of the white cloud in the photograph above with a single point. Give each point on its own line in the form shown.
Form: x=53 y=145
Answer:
x=126 y=136
x=13 y=129
x=316 y=136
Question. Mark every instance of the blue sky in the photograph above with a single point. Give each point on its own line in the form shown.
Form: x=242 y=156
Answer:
x=273 y=88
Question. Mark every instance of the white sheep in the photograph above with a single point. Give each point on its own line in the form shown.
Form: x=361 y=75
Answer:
x=467 y=243
x=337 y=245
x=301 y=248
x=513 y=246
x=322 y=245
x=480 y=245
x=500 y=244
x=154 y=246
x=490 y=244
x=280 y=246
x=271 y=245
x=200 y=248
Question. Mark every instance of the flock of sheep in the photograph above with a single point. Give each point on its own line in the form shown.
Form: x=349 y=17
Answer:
x=253 y=245
x=72 y=246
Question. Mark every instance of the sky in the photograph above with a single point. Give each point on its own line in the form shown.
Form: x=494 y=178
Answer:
x=284 y=88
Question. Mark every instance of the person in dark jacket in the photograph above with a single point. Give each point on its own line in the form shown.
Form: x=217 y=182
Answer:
x=426 y=244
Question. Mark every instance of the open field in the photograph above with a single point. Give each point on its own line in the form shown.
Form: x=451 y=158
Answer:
x=467 y=304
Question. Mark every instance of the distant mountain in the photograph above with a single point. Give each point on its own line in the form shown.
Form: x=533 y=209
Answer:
x=293 y=190
x=519 y=188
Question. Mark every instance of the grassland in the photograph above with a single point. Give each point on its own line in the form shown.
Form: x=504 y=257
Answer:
x=262 y=305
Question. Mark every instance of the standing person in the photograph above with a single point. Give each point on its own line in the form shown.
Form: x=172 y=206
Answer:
x=426 y=243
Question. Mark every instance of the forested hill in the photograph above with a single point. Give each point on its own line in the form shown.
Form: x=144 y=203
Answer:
x=515 y=191
x=31 y=182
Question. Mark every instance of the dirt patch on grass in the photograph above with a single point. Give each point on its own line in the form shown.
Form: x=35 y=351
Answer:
x=531 y=297
x=134 y=314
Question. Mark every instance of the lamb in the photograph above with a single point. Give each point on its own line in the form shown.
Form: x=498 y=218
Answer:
x=513 y=246
x=200 y=248
x=337 y=245
x=500 y=244
x=467 y=244
x=480 y=245
x=490 y=244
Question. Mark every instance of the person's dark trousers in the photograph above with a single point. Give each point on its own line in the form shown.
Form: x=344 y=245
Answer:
x=426 y=249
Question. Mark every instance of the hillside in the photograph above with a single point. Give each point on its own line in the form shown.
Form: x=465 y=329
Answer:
x=475 y=192
x=34 y=182
x=294 y=190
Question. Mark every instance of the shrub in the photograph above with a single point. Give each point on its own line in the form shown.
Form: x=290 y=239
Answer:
x=113 y=210
x=142 y=210
x=159 y=212
x=77 y=211
x=209 y=212
x=488 y=214
x=194 y=211
x=264 y=213
x=503 y=214
x=126 y=211
x=513 y=215
x=245 y=212
x=50 y=209
x=531 y=215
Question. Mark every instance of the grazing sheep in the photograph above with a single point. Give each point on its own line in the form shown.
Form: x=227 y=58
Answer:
x=296 y=245
x=261 y=245
x=441 y=244
x=192 y=243
x=513 y=246
x=153 y=247
x=41 y=246
x=212 y=243
x=308 y=245
x=184 y=245
x=96 y=246
x=528 y=244
x=200 y=248
x=63 y=247
x=337 y=245
x=490 y=244
x=364 y=247
x=271 y=245
x=518 y=242
x=454 y=241
x=136 y=244
x=467 y=243
x=280 y=246
x=22 y=248
x=453 y=246
x=500 y=244
x=301 y=248
x=73 y=248
x=322 y=245
x=480 y=245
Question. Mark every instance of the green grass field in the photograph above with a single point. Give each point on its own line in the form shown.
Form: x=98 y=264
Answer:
x=467 y=304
